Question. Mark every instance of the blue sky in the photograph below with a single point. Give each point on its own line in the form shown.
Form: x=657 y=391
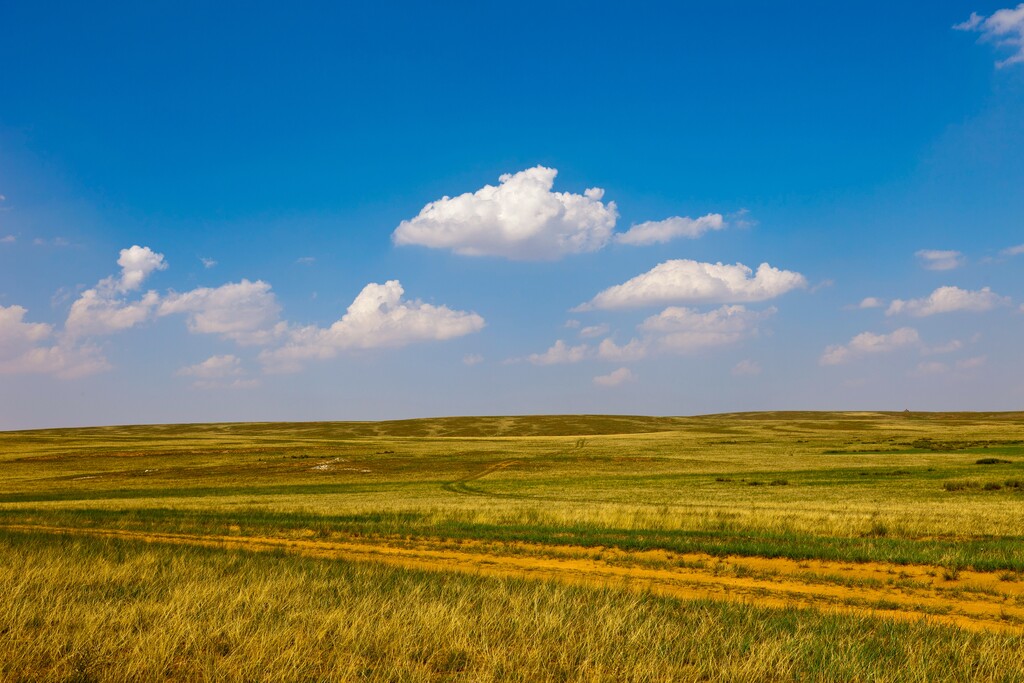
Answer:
x=274 y=166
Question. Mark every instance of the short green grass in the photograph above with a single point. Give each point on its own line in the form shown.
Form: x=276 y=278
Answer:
x=896 y=487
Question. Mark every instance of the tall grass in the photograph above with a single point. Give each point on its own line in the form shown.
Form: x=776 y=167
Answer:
x=108 y=610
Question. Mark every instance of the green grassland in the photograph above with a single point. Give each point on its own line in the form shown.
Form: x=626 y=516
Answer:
x=922 y=488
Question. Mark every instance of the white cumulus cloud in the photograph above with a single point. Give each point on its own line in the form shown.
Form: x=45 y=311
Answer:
x=521 y=218
x=867 y=343
x=615 y=378
x=100 y=311
x=137 y=263
x=104 y=309
x=378 y=317
x=948 y=300
x=24 y=349
x=1004 y=27
x=245 y=312
x=659 y=232
x=686 y=281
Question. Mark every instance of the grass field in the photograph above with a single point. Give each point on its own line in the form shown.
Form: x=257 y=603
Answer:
x=768 y=546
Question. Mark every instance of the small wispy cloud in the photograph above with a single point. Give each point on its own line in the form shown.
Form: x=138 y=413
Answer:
x=1003 y=27
x=615 y=378
x=472 y=359
x=1013 y=251
x=207 y=262
x=214 y=367
x=592 y=331
x=746 y=368
x=867 y=343
x=54 y=242
x=659 y=232
x=871 y=302
x=306 y=260
x=971 y=363
x=937 y=259
x=560 y=353
x=949 y=300
x=8 y=239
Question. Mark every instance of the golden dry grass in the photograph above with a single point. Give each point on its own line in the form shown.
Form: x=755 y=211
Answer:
x=82 y=609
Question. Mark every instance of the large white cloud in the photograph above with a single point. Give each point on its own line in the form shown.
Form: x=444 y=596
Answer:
x=659 y=232
x=378 y=317
x=25 y=349
x=867 y=343
x=1005 y=27
x=684 y=281
x=948 y=300
x=104 y=309
x=245 y=312
x=521 y=218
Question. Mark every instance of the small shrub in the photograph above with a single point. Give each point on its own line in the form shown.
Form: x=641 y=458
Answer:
x=992 y=461
x=960 y=485
x=755 y=482
x=878 y=530
x=1014 y=484
x=779 y=482
x=993 y=486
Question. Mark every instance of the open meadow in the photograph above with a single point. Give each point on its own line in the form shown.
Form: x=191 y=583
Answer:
x=765 y=546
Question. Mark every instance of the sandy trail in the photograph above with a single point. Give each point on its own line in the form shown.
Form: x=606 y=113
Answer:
x=974 y=600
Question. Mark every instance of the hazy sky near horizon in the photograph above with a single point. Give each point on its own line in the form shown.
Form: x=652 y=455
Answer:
x=227 y=211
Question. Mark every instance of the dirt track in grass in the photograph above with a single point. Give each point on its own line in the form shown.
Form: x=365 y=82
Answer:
x=969 y=599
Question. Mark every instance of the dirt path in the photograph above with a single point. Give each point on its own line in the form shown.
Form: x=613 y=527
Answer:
x=974 y=600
